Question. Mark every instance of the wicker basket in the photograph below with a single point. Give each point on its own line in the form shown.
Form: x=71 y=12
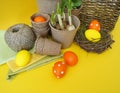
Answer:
x=107 y=13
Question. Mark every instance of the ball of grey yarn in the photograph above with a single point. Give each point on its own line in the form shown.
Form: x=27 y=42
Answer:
x=19 y=37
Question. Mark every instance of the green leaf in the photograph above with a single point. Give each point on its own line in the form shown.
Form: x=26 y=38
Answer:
x=76 y=3
x=63 y=4
x=69 y=7
x=58 y=10
x=53 y=18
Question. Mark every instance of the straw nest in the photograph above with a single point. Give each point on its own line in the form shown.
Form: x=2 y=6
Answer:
x=107 y=13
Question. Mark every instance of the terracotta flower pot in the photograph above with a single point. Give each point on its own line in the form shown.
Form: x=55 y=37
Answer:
x=40 y=28
x=46 y=46
x=65 y=37
x=47 y=6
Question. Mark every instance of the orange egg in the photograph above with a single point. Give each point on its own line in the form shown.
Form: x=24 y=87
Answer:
x=70 y=58
x=59 y=69
x=94 y=24
x=39 y=19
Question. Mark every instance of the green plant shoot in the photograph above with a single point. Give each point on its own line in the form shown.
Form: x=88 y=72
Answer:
x=69 y=11
x=59 y=16
x=63 y=5
x=69 y=7
x=53 y=18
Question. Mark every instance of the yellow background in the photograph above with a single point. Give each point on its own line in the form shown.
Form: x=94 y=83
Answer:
x=94 y=73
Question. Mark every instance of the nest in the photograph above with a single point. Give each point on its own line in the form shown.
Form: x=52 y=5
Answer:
x=98 y=47
x=107 y=13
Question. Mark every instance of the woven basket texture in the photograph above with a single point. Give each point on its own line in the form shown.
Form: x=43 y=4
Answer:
x=107 y=13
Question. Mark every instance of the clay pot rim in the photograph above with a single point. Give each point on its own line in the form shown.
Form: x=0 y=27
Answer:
x=37 y=14
x=66 y=29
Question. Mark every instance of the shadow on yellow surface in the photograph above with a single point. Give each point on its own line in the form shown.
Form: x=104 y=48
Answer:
x=94 y=73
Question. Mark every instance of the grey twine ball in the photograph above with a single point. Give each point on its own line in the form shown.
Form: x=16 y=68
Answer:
x=20 y=36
